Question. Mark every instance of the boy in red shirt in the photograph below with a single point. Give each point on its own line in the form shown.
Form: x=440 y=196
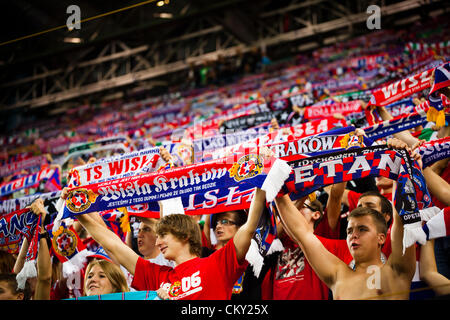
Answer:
x=178 y=238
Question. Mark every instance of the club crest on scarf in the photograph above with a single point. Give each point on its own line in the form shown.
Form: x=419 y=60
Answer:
x=352 y=140
x=80 y=200
x=246 y=167
x=64 y=242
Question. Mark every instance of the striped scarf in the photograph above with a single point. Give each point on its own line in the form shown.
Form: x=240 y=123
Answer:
x=313 y=173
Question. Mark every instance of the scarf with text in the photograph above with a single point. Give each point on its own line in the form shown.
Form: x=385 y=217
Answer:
x=397 y=124
x=400 y=107
x=397 y=90
x=344 y=108
x=439 y=107
x=121 y=166
x=438 y=47
x=433 y=151
x=310 y=174
x=239 y=196
x=296 y=132
x=14 y=226
x=27 y=181
x=254 y=168
x=11 y=205
x=11 y=168
x=132 y=295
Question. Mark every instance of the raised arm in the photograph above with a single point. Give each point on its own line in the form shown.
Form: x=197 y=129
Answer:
x=403 y=265
x=122 y=253
x=206 y=227
x=437 y=186
x=44 y=265
x=335 y=195
x=325 y=264
x=243 y=236
x=107 y=239
x=429 y=272
x=405 y=135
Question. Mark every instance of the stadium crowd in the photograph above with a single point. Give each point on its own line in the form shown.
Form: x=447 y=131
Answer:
x=348 y=237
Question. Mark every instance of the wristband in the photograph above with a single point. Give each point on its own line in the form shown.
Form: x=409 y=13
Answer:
x=43 y=235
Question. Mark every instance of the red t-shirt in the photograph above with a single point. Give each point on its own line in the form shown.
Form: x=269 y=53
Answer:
x=323 y=228
x=210 y=278
x=295 y=279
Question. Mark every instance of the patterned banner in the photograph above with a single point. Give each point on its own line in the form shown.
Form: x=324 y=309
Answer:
x=12 y=168
x=434 y=150
x=284 y=134
x=239 y=196
x=11 y=205
x=313 y=173
x=398 y=124
x=14 y=226
x=314 y=112
x=26 y=182
x=265 y=172
x=121 y=166
x=401 y=89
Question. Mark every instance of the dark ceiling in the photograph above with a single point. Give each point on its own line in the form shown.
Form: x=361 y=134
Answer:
x=142 y=25
x=137 y=25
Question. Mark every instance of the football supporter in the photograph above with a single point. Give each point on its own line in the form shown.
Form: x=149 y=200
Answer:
x=179 y=239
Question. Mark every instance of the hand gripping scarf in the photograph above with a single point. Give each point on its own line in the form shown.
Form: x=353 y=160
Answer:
x=11 y=205
x=313 y=173
x=400 y=123
x=433 y=151
x=254 y=168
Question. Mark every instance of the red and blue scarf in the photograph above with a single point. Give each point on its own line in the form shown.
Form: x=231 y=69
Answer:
x=310 y=174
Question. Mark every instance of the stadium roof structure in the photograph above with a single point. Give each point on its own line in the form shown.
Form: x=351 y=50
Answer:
x=133 y=44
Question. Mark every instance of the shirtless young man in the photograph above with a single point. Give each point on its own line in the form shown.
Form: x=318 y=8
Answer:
x=366 y=233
